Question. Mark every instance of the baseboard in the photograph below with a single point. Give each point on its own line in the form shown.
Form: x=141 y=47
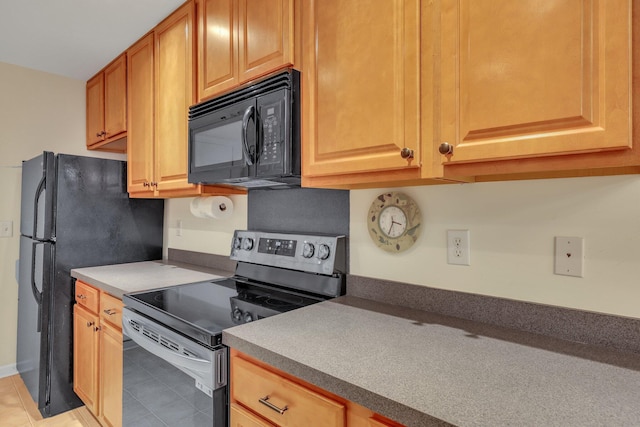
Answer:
x=8 y=370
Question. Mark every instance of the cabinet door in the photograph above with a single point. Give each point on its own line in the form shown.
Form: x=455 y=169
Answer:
x=240 y=417
x=521 y=80
x=140 y=135
x=217 y=47
x=174 y=93
x=85 y=356
x=265 y=37
x=361 y=90
x=115 y=97
x=110 y=375
x=95 y=109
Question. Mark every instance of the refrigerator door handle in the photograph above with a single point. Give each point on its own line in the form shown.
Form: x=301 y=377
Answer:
x=37 y=295
x=39 y=190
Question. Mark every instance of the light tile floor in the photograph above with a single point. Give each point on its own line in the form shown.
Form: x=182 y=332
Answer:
x=17 y=409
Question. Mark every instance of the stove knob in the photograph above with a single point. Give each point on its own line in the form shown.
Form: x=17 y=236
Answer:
x=307 y=250
x=237 y=243
x=248 y=318
x=237 y=314
x=324 y=251
x=247 y=243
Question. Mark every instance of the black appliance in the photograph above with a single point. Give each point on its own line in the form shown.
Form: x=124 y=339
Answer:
x=75 y=212
x=182 y=325
x=249 y=137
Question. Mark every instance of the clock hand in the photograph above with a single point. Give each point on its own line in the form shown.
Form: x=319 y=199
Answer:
x=390 y=228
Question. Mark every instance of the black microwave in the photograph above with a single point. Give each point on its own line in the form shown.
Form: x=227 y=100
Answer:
x=249 y=137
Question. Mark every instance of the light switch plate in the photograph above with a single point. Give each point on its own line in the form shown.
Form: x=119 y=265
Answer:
x=569 y=256
x=6 y=228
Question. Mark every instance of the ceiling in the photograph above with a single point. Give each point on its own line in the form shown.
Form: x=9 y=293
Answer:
x=74 y=38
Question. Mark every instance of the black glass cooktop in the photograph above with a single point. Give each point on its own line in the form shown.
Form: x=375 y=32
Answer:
x=202 y=310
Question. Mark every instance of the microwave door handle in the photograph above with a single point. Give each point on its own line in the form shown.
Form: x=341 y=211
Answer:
x=250 y=111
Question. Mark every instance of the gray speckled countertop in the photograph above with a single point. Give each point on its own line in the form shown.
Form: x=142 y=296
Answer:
x=120 y=279
x=423 y=369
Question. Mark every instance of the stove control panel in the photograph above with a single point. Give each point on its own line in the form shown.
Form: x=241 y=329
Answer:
x=321 y=254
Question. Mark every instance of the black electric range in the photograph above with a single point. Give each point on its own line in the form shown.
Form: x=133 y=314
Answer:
x=275 y=273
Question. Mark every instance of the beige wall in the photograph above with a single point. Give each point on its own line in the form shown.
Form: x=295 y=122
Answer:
x=512 y=227
x=38 y=111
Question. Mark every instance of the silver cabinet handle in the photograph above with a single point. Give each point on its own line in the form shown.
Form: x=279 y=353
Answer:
x=265 y=402
x=110 y=311
x=80 y=296
x=89 y=324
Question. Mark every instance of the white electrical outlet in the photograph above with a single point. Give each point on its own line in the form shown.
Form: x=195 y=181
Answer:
x=458 y=247
x=6 y=228
x=569 y=255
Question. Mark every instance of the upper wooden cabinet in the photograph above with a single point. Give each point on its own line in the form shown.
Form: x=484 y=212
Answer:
x=240 y=40
x=107 y=107
x=515 y=90
x=516 y=80
x=161 y=77
x=361 y=91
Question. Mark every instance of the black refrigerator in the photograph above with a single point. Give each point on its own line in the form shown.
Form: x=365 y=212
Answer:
x=75 y=212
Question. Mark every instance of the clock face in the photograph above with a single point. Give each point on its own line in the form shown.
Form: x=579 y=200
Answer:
x=394 y=221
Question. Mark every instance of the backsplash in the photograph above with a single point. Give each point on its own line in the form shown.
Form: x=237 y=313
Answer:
x=299 y=210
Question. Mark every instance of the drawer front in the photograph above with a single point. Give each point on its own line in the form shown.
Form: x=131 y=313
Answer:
x=268 y=394
x=87 y=296
x=111 y=310
x=240 y=417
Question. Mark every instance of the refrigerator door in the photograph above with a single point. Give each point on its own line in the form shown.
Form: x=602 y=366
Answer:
x=38 y=192
x=96 y=224
x=33 y=307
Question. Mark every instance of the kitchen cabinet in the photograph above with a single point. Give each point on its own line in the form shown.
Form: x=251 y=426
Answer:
x=240 y=40
x=110 y=361
x=85 y=356
x=442 y=77
x=262 y=396
x=97 y=353
x=361 y=91
x=106 y=99
x=161 y=81
x=504 y=94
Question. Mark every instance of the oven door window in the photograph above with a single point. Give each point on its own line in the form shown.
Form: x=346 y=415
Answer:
x=222 y=144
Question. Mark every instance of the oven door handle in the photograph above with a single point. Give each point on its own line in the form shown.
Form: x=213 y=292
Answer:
x=171 y=356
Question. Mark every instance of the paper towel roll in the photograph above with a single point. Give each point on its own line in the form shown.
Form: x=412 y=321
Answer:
x=217 y=207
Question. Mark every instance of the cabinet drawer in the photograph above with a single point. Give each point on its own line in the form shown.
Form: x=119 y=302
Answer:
x=240 y=417
x=111 y=310
x=265 y=392
x=87 y=296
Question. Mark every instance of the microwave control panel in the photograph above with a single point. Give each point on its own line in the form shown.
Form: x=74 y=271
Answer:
x=272 y=120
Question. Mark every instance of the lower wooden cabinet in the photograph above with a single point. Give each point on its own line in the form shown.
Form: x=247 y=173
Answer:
x=263 y=396
x=85 y=356
x=97 y=353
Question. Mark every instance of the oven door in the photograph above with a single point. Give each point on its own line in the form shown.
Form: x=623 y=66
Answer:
x=222 y=144
x=170 y=378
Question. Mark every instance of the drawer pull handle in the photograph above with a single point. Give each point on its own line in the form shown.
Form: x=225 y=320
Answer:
x=80 y=296
x=110 y=311
x=265 y=402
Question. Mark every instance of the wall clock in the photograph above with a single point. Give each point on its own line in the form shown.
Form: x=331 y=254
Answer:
x=394 y=221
